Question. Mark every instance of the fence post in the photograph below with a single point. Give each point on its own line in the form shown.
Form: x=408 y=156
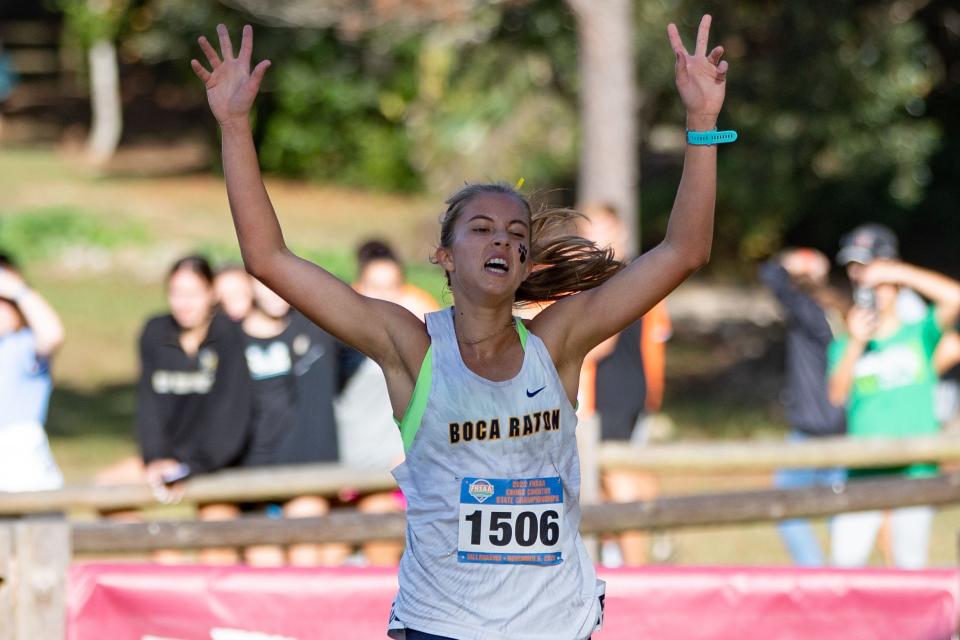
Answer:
x=588 y=444
x=7 y=586
x=42 y=547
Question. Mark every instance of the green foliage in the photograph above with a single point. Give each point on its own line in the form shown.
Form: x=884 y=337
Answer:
x=495 y=99
x=46 y=232
x=335 y=111
x=91 y=20
x=831 y=101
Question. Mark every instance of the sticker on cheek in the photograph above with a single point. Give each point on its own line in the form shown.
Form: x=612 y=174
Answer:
x=523 y=253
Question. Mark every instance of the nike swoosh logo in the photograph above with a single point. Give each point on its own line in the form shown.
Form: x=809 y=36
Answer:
x=530 y=394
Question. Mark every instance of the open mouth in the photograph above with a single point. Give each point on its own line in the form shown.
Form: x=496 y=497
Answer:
x=496 y=265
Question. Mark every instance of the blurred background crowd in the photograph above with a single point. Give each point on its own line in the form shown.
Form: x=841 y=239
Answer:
x=829 y=307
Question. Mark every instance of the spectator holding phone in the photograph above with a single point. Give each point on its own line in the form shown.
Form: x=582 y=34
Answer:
x=194 y=396
x=30 y=334
x=883 y=372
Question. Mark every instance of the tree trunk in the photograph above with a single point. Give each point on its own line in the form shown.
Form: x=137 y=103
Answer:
x=105 y=101
x=609 y=171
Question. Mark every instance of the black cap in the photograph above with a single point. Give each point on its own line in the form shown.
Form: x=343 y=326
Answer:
x=868 y=242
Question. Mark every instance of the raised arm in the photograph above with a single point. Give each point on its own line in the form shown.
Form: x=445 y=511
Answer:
x=386 y=332
x=802 y=310
x=569 y=327
x=942 y=291
x=41 y=318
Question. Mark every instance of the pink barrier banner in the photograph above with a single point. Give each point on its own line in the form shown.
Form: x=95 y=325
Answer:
x=153 y=602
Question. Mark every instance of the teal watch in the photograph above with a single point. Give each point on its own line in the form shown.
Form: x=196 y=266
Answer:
x=710 y=137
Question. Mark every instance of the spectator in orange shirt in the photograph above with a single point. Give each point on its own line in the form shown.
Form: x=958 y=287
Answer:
x=622 y=380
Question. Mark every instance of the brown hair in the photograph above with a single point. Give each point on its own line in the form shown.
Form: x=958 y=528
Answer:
x=563 y=262
x=373 y=250
x=195 y=264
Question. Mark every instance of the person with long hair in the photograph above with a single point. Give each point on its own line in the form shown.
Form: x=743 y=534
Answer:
x=194 y=402
x=194 y=395
x=483 y=399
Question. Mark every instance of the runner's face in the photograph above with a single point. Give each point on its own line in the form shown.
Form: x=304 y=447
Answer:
x=491 y=247
x=190 y=298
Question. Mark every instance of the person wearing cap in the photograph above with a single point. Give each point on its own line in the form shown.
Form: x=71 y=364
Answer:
x=883 y=372
x=30 y=334
x=871 y=241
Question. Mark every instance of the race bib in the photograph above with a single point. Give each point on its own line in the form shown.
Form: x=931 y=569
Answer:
x=511 y=521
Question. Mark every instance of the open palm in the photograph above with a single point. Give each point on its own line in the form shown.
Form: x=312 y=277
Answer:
x=231 y=86
x=701 y=78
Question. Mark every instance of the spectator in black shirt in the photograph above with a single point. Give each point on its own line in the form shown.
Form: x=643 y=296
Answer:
x=798 y=279
x=293 y=366
x=194 y=401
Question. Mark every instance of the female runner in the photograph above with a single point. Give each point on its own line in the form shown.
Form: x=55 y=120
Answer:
x=485 y=401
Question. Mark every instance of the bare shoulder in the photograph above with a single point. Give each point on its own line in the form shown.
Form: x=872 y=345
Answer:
x=407 y=334
x=553 y=325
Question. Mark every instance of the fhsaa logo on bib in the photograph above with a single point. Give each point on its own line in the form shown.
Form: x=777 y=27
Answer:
x=480 y=490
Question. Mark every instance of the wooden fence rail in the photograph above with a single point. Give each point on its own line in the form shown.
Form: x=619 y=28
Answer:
x=236 y=485
x=753 y=456
x=663 y=513
x=35 y=550
x=279 y=483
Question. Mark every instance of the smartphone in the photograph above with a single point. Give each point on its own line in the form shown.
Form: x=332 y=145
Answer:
x=865 y=298
x=176 y=474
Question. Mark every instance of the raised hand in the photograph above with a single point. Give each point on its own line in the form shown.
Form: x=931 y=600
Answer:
x=11 y=284
x=701 y=78
x=231 y=86
x=881 y=271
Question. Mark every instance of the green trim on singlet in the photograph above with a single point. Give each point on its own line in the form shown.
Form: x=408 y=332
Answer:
x=522 y=332
x=413 y=416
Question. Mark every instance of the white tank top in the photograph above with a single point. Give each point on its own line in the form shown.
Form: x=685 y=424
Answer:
x=492 y=481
